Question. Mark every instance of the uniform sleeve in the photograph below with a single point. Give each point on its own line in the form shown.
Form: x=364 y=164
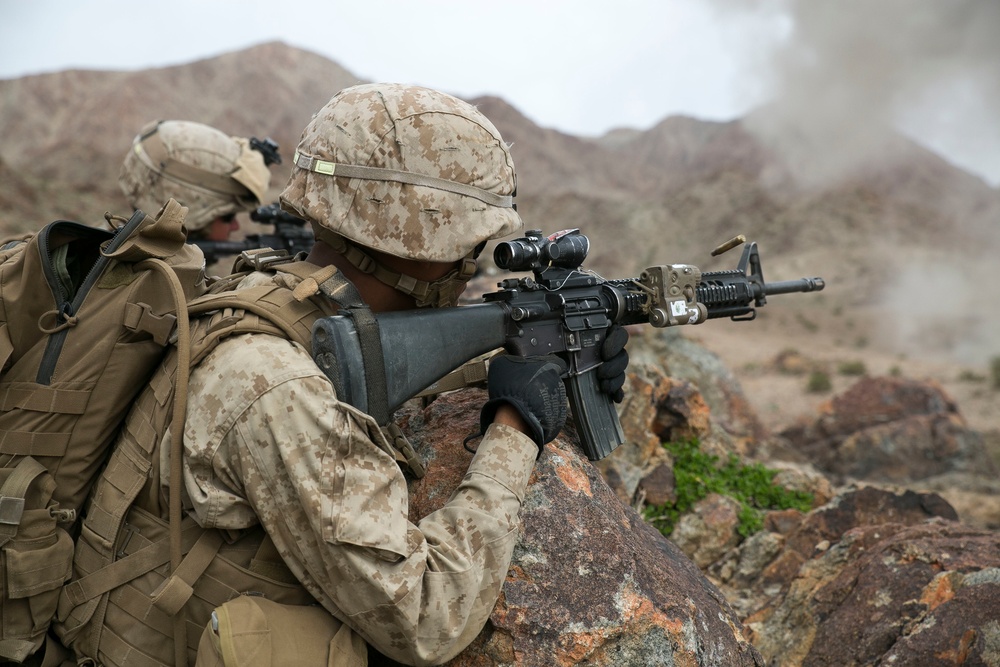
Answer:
x=320 y=478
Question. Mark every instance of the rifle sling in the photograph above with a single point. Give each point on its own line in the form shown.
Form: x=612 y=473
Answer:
x=470 y=373
x=342 y=291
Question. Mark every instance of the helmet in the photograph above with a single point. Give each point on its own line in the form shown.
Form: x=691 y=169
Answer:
x=404 y=170
x=209 y=172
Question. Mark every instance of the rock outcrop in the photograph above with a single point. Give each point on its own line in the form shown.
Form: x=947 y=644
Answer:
x=890 y=594
x=904 y=433
x=878 y=572
x=891 y=430
x=590 y=582
x=676 y=391
x=762 y=568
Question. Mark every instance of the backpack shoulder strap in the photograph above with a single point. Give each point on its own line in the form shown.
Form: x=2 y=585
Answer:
x=264 y=308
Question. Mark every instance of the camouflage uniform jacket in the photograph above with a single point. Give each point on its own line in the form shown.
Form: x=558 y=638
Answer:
x=267 y=441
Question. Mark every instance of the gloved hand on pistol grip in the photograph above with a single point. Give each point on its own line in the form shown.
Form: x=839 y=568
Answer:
x=611 y=373
x=534 y=387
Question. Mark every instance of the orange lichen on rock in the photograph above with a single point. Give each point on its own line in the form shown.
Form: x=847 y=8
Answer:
x=941 y=589
x=572 y=475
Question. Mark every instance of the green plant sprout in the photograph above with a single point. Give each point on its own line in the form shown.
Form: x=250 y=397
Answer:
x=697 y=474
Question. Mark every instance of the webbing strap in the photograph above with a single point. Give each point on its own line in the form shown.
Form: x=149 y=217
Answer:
x=177 y=418
x=30 y=443
x=173 y=594
x=40 y=398
x=122 y=571
x=12 y=496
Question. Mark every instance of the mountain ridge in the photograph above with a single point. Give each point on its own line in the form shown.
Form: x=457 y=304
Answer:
x=668 y=194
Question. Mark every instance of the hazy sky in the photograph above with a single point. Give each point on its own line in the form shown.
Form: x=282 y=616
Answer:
x=583 y=66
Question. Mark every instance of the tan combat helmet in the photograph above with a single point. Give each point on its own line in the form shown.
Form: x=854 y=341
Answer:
x=407 y=171
x=204 y=169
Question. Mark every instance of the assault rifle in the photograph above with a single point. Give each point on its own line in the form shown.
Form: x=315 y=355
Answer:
x=561 y=309
x=290 y=233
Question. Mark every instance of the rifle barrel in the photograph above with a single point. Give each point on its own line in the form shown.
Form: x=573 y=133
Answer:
x=790 y=286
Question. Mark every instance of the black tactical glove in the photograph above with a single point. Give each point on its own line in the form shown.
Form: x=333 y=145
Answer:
x=534 y=387
x=611 y=373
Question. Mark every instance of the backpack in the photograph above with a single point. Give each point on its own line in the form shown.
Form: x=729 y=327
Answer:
x=86 y=315
x=146 y=321
x=129 y=596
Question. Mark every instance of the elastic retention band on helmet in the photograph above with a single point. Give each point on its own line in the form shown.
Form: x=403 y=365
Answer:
x=151 y=149
x=318 y=166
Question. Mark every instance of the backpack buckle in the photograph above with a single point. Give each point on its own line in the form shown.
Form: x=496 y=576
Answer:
x=62 y=516
x=260 y=258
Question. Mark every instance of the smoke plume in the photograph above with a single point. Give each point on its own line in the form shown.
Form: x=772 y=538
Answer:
x=847 y=77
x=852 y=71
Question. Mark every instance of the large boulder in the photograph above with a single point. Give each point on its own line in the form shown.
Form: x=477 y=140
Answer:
x=676 y=391
x=590 y=582
x=656 y=409
x=734 y=421
x=893 y=430
x=762 y=567
x=890 y=594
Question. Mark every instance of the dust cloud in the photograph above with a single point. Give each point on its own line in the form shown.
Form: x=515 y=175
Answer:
x=936 y=308
x=845 y=80
x=850 y=72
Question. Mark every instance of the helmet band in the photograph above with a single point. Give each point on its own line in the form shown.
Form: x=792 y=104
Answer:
x=319 y=166
x=153 y=152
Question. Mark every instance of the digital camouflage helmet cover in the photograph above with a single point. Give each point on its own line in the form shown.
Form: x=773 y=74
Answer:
x=206 y=170
x=405 y=170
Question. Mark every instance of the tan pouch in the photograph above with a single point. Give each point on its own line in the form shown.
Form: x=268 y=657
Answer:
x=35 y=560
x=251 y=631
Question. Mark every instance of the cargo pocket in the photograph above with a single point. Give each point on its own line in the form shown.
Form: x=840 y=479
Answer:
x=250 y=631
x=36 y=558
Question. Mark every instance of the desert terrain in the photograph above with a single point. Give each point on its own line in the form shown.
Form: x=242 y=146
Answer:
x=781 y=394
x=906 y=244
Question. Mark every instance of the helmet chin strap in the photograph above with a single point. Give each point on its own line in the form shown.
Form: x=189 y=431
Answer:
x=441 y=293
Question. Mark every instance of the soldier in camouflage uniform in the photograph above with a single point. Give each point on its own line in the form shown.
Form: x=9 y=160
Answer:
x=403 y=186
x=318 y=473
x=214 y=175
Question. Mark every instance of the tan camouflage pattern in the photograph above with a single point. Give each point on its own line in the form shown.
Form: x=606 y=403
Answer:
x=266 y=440
x=407 y=128
x=145 y=187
